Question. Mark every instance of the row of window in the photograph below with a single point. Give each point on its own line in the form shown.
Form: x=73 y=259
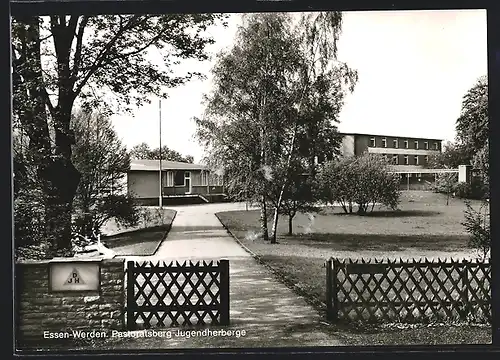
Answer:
x=406 y=159
x=182 y=178
x=395 y=144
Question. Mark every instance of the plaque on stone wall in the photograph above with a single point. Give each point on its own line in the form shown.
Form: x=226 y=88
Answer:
x=74 y=276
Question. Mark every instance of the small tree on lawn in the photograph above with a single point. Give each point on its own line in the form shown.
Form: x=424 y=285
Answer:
x=446 y=183
x=299 y=197
x=477 y=224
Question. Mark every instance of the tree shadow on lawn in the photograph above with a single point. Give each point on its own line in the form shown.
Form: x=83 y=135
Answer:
x=392 y=213
x=380 y=242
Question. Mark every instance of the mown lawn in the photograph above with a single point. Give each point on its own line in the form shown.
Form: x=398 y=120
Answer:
x=423 y=227
x=141 y=242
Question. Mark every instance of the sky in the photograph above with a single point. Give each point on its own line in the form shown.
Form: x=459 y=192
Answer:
x=414 y=68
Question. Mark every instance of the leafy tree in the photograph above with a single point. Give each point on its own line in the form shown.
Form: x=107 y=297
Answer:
x=61 y=60
x=277 y=95
x=103 y=162
x=472 y=125
x=144 y=152
x=374 y=183
x=29 y=209
x=481 y=162
x=241 y=119
x=300 y=196
x=477 y=224
x=473 y=132
x=471 y=143
x=362 y=181
x=335 y=183
x=446 y=183
x=323 y=84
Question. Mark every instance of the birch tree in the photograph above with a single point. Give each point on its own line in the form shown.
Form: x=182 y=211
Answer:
x=241 y=127
x=324 y=83
x=281 y=85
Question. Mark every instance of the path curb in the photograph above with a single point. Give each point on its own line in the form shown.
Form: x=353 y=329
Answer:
x=313 y=301
x=166 y=233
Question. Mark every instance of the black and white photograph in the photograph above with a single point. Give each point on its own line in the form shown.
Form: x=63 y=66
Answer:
x=250 y=180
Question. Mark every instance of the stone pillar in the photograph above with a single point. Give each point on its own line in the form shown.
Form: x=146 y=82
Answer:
x=41 y=314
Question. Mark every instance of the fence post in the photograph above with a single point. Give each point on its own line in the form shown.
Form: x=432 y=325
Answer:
x=329 y=300
x=331 y=291
x=334 y=291
x=224 y=292
x=130 y=296
x=465 y=287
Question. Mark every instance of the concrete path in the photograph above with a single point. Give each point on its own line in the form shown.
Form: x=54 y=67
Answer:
x=263 y=311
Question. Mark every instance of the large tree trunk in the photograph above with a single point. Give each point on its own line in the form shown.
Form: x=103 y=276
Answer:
x=60 y=200
x=62 y=179
x=57 y=175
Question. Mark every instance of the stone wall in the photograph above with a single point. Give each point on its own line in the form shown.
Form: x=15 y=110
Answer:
x=40 y=314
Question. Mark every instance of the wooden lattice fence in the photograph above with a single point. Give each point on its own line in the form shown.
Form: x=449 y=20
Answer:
x=175 y=294
x=408 y=290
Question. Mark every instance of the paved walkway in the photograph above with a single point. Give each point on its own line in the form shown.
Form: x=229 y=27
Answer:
x=269 y=313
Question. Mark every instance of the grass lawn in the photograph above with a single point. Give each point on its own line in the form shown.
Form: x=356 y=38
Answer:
x=141 y=242
x=424 y=226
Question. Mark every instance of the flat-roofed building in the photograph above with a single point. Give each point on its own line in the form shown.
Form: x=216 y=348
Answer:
x=407 y=155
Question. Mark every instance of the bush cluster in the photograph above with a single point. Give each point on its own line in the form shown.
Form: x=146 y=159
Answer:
x=359 y=181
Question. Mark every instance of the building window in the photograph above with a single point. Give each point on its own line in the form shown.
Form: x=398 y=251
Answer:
x=204 y=178
x=406 y=144
x=179 y=178
x=426 y=159
x=395 y=160
x=416 y=144
x=372 y=142
x=406 y=159
x=395 y=143
x=426 y=145
x=216 y=180
x=436 y=147
x=170 y=178
x=384 y=142
x=416 y=160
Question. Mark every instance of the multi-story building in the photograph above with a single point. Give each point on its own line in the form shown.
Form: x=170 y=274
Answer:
x=408 y=155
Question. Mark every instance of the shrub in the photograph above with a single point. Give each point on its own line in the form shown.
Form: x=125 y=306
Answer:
x=121 y=208
x=473 y=191
x=151 y=217
x=362 y=181
x=477 y=224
